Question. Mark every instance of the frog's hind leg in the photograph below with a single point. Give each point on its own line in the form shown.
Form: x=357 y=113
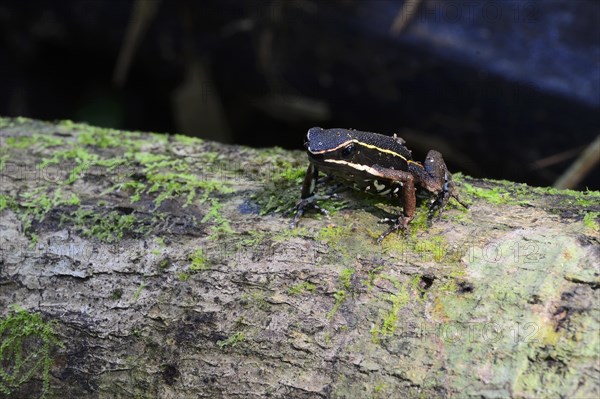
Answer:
x=407 y=182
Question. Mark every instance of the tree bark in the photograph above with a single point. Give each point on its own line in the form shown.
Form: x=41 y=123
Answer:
x=165 y=267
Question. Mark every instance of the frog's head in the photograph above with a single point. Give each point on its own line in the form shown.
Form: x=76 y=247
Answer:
x=435 y=178
x=329 y=145
x=323 y=141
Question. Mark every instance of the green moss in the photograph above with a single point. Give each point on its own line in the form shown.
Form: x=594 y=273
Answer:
x=451 y=282
x=286 y=233
x=106 y=227
x=116 y=294
x=38 y=203
x=73 y=200
x=112 y=163
x=33 y=141
x=33 y=206
x=389 y=319
x=176 y=185
x=497 y=195
x=154 y=161
x=232 y=341
x=252 y=238
x=5 y=122
x=505 y=313
x=343 y=292
x=6 y=202
x=590 y=220
x=507 y=192
x=98 y=138
x=346 y=278
x=101 y=137
x=332 y=235
x=416 y=285
x=26 y=343
x=164 y=263
x=302 y=287
x=67 y=123
x=258 y=300
x=199 y=260
x=81 y=158
x=282 y=179
x=278 y=196
x=421 y=246
x=221 y=226
x=136 y=189
x=340 y=297
x=379 y=387
x=581 y=198
x=138 y=292
x=432 y=248
x=372 y=275
x=587 y=201
x=166 y=178
x=187 y=140
x=293 y=174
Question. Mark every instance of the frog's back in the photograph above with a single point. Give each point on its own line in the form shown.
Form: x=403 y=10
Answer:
x=382 y=143
x=321 y=140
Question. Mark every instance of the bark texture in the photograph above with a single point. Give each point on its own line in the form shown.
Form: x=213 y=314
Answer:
x=148 y=265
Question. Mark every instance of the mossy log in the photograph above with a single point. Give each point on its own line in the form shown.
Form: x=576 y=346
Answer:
x=145 y=265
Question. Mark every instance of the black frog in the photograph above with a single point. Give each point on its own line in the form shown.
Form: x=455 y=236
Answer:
x=376 y=164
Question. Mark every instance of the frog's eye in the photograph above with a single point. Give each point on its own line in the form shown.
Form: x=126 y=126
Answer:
x=347 y=150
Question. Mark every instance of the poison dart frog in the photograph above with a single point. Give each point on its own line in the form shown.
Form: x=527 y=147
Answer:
x=376 y=164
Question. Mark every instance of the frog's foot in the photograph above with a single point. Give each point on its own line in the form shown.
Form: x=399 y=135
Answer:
x=306 y=204
x=399 y=224
x=336 y=189
x=459 y=200
x=438 y=204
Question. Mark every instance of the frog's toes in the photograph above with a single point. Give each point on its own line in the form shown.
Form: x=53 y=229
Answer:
x=305 y=204
x=399 y=224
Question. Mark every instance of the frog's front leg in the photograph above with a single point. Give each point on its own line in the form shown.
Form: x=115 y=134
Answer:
x=308 y=198
x=407 y=181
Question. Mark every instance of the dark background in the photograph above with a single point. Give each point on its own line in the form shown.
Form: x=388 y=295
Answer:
x=503 y=88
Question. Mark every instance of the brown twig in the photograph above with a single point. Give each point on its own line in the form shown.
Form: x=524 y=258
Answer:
x=580 y=168
x=556 y=158
x=404 y=16
x=142 y=15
